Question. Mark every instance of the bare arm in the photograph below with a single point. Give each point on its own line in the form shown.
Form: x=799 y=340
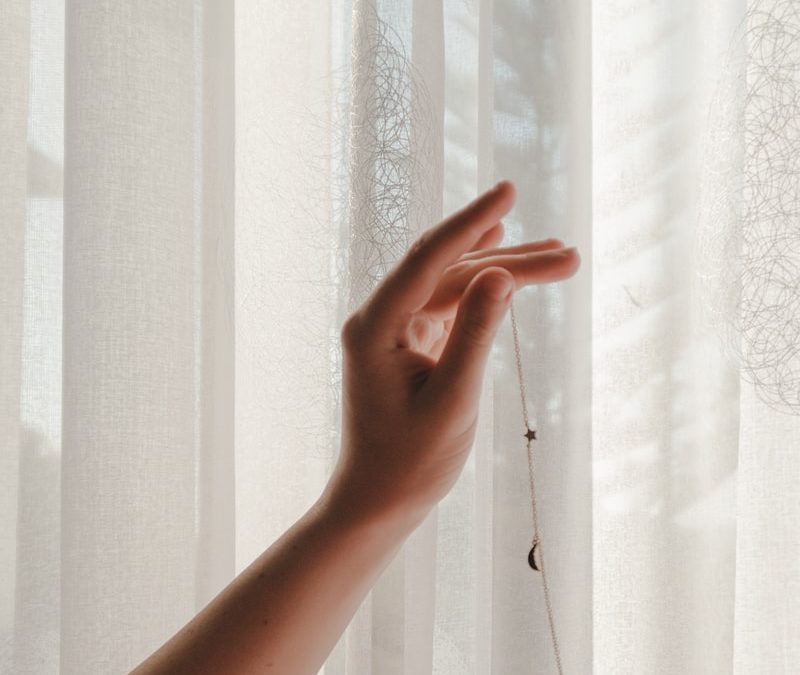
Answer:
x=414 y=356
x=286 y=611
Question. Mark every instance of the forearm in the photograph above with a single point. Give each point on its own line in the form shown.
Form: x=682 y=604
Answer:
x=287 y=610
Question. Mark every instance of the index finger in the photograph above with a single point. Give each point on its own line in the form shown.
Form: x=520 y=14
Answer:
x=410 y=284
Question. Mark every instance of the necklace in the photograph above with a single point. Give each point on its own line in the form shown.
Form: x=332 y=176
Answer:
x=530 y=435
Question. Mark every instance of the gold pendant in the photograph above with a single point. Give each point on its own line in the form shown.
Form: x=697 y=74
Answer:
x=531 y=558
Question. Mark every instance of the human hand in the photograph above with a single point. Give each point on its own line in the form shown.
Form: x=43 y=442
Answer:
x=415 y=354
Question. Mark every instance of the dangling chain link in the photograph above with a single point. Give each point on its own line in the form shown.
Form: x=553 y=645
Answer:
x=531 y=436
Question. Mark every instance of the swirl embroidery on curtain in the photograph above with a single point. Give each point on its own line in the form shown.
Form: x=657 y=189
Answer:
x=749 y=230
x=378 y=166
x=390 y=151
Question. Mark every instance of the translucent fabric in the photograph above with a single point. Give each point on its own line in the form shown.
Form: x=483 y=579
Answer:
x=194 y=197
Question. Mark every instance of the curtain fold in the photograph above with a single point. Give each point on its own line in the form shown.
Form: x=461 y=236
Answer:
x=666 y=405
x=14 y=79
x=197 y=194
x=214 y=300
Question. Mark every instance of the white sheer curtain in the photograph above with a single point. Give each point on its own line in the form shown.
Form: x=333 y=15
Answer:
x=194 y=196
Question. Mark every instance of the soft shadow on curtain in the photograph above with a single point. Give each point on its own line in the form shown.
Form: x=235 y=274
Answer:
x=196 y=195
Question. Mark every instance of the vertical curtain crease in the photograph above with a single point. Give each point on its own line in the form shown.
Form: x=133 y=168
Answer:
x=128 y=446
x=195 y=196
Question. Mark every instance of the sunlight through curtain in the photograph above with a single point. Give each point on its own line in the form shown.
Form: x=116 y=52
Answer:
x=196 y=195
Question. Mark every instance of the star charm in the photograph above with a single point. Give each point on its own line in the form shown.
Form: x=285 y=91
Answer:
x=531 y=435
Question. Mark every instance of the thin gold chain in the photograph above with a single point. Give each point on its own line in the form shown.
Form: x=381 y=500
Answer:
x=536 y=542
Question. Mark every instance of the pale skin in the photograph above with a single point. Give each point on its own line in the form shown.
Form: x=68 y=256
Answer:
x=414 y=356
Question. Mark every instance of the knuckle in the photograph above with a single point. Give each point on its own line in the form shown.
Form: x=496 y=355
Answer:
x=461 y=268
x=419 y=246
x=477 y=329
x=351 y=330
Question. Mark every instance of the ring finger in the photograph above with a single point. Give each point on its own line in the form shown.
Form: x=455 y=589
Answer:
x=530 y=247
x=534 y=267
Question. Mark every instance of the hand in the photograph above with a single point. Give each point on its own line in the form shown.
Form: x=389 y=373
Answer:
x=416 y=350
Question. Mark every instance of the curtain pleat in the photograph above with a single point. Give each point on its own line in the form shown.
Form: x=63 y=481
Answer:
x=424 y=206
x=128 y=447
x=214 y=173
x=195 y=196
x=464 y=544
x=541 y=118
x=482 y=458
x=370 y=245
x=14 y=433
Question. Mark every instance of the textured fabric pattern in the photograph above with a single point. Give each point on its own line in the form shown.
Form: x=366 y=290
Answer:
x=196 y=195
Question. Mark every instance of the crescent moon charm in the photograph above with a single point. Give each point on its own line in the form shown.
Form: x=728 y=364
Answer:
x=531 y=558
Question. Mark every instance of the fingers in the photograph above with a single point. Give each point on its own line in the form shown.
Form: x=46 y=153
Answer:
x=537 y=267
x=530 y=247
x=410 y=284
x=531 y=267
x=457 y=376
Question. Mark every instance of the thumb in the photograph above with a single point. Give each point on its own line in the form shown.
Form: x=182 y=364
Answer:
x=463 y=361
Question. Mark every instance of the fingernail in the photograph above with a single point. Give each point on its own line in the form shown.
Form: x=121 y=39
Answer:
x=568 y=251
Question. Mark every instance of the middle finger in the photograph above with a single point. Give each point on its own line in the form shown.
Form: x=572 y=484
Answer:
x=536 y=267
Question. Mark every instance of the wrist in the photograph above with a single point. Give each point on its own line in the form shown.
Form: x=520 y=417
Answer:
x=341 y=502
